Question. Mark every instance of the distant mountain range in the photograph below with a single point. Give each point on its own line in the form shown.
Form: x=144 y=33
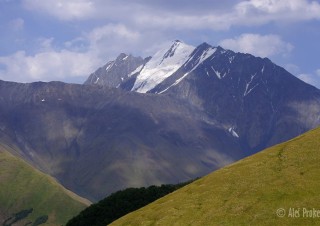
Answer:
x=177 y=115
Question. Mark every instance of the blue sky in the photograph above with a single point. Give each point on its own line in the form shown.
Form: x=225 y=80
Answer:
x=66 y=40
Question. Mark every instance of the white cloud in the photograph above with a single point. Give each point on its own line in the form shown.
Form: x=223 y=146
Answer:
x=74 y=61
x=244 y=13
x=64 y=10
x=141 y=26
x=48 y=64
x=150 y=15
x=318 y=72
x=45 y=66
x=274 y=10
x=110 y=30
x=108 y=41
x=258 y=45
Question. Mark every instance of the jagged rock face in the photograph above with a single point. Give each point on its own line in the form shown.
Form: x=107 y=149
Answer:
x=115 y=72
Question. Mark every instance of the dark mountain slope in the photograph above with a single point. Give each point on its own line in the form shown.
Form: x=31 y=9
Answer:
x=258 y=100
x=255 y=100
x=98 y=140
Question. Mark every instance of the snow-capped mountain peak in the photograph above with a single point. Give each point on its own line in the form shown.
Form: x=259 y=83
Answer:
x=116 y=71
x=174 y=67
x=201 y=53
x=163 y=64
x=156 y=74
x=172 y=49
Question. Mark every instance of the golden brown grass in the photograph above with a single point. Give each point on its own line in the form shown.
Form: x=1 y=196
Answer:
x=248 y=192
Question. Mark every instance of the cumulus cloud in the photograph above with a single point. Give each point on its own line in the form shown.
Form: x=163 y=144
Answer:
x=111 y=37
x=76 y=60
x=275 y=10
x=258 y=45
x=181 y=14
x=45 y=66
x=138 y=26
x=64 y=10
x=245 y=13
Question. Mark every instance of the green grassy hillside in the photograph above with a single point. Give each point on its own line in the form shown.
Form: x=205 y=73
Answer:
x=283 y=180
x=28 y=195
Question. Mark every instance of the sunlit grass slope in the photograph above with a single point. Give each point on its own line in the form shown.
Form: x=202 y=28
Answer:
x=32 y=196
x=248 y=192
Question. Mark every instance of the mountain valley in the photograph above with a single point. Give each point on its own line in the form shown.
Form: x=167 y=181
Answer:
x=169 y=118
